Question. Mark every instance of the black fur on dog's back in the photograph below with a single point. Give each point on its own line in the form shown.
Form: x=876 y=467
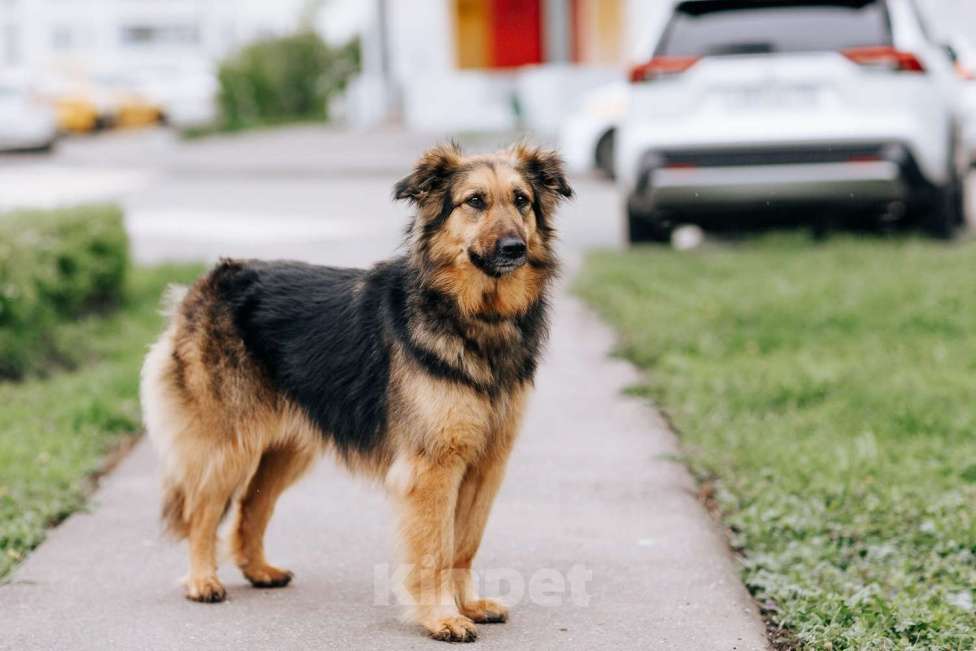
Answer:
x=324 y=337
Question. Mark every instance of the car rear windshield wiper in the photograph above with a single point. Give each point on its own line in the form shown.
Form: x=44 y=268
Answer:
x=725 y=49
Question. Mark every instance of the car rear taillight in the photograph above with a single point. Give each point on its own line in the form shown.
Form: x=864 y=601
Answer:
x=661 y=67
x=965 y=73
x=885 y=57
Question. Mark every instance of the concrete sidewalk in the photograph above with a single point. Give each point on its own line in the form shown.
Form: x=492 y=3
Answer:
x=589 y=487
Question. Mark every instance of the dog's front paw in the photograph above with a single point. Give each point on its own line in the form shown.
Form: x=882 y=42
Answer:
x=207 y=589
x=267 y=576
x=485 y=611
x=452 y=629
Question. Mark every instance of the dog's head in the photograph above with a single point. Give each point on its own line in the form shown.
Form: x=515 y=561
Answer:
x=488 y=216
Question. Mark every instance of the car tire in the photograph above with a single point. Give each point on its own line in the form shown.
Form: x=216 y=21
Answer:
x=645 y=228
x=605 y=153
x=947 y=212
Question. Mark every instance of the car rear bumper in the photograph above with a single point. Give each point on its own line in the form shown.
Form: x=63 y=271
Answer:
x=868 y=182
x=718 y=179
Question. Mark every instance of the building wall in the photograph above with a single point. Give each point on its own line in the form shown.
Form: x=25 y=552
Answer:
x=97 y=34
x=599 y=27
x=421 y=37
x=952 y=19
x=458 y=65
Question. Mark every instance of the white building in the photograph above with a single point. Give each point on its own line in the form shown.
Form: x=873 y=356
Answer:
x=85 y=35
x=951 y=19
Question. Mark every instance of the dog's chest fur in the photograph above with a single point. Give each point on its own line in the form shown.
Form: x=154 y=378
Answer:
x=355 y=348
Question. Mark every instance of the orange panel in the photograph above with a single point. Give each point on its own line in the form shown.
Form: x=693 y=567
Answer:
x=471 y=29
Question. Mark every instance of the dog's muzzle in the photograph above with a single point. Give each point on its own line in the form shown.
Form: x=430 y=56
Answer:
x=510 y=253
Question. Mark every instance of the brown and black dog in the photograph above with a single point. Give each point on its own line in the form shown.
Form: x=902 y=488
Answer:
x=414 y=372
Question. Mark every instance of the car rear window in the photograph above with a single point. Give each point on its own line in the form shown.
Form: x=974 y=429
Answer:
x=726 y=27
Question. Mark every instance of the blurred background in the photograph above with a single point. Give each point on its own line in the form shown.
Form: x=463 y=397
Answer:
x=566 y=72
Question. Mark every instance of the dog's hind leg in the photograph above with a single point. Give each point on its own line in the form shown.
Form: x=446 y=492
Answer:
x=208 y=501
x=426 y=512
x=279 y=468
x=477 y=493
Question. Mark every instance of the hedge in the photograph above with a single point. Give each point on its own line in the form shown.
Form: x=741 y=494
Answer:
x=283 y=79
x=55 y=265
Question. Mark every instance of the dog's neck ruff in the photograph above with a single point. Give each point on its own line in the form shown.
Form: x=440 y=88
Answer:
x=485 y=351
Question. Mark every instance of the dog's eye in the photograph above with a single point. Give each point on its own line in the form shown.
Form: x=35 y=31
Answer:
x=476 y=202
x=521 y=201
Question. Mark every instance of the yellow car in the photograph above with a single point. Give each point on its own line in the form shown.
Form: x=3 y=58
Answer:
x=134 y=111
x=121 y=102
x=84 y=104
x=75 y=114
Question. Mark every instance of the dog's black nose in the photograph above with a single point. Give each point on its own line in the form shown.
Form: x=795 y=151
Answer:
x=510 y=247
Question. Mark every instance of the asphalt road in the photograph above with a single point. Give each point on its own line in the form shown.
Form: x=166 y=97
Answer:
x=597 y=538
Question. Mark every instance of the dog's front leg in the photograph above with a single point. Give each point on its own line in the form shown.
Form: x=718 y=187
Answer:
x=476 y=495
x=427 y=506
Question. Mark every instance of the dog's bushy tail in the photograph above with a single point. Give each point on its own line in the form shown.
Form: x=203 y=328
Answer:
x=173 y=296
x=158 y=408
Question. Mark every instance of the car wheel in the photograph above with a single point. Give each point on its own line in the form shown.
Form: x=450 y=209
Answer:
x=947 y=212
x=643 y=227
x=604 y=152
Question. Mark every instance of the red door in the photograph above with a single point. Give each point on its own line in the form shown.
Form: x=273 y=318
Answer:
x=516 y=33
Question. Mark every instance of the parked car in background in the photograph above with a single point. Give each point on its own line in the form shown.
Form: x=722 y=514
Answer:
x=121 y=102
x=587 y=137
x=103 y=99
x=843 y=106
x=26 y=121
x=75 y=107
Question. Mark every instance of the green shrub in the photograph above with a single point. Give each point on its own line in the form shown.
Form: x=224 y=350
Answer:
x=283 y=79
x=54 y=266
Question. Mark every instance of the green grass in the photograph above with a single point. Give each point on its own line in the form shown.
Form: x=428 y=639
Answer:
x=828 y=392
x=56 y=431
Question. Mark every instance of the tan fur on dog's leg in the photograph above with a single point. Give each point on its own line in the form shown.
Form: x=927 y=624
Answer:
x=203 y=584
x=279 y=468
x=475 y=498
x=427 y=537
x=222 y=471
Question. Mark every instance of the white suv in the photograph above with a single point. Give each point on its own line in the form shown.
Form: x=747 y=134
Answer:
x=842 y=107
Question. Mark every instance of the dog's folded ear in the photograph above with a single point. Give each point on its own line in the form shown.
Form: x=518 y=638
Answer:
x=545 y=170
x=431 y=174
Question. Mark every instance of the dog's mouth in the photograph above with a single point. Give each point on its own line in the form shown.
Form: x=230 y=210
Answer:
x=497 y=266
